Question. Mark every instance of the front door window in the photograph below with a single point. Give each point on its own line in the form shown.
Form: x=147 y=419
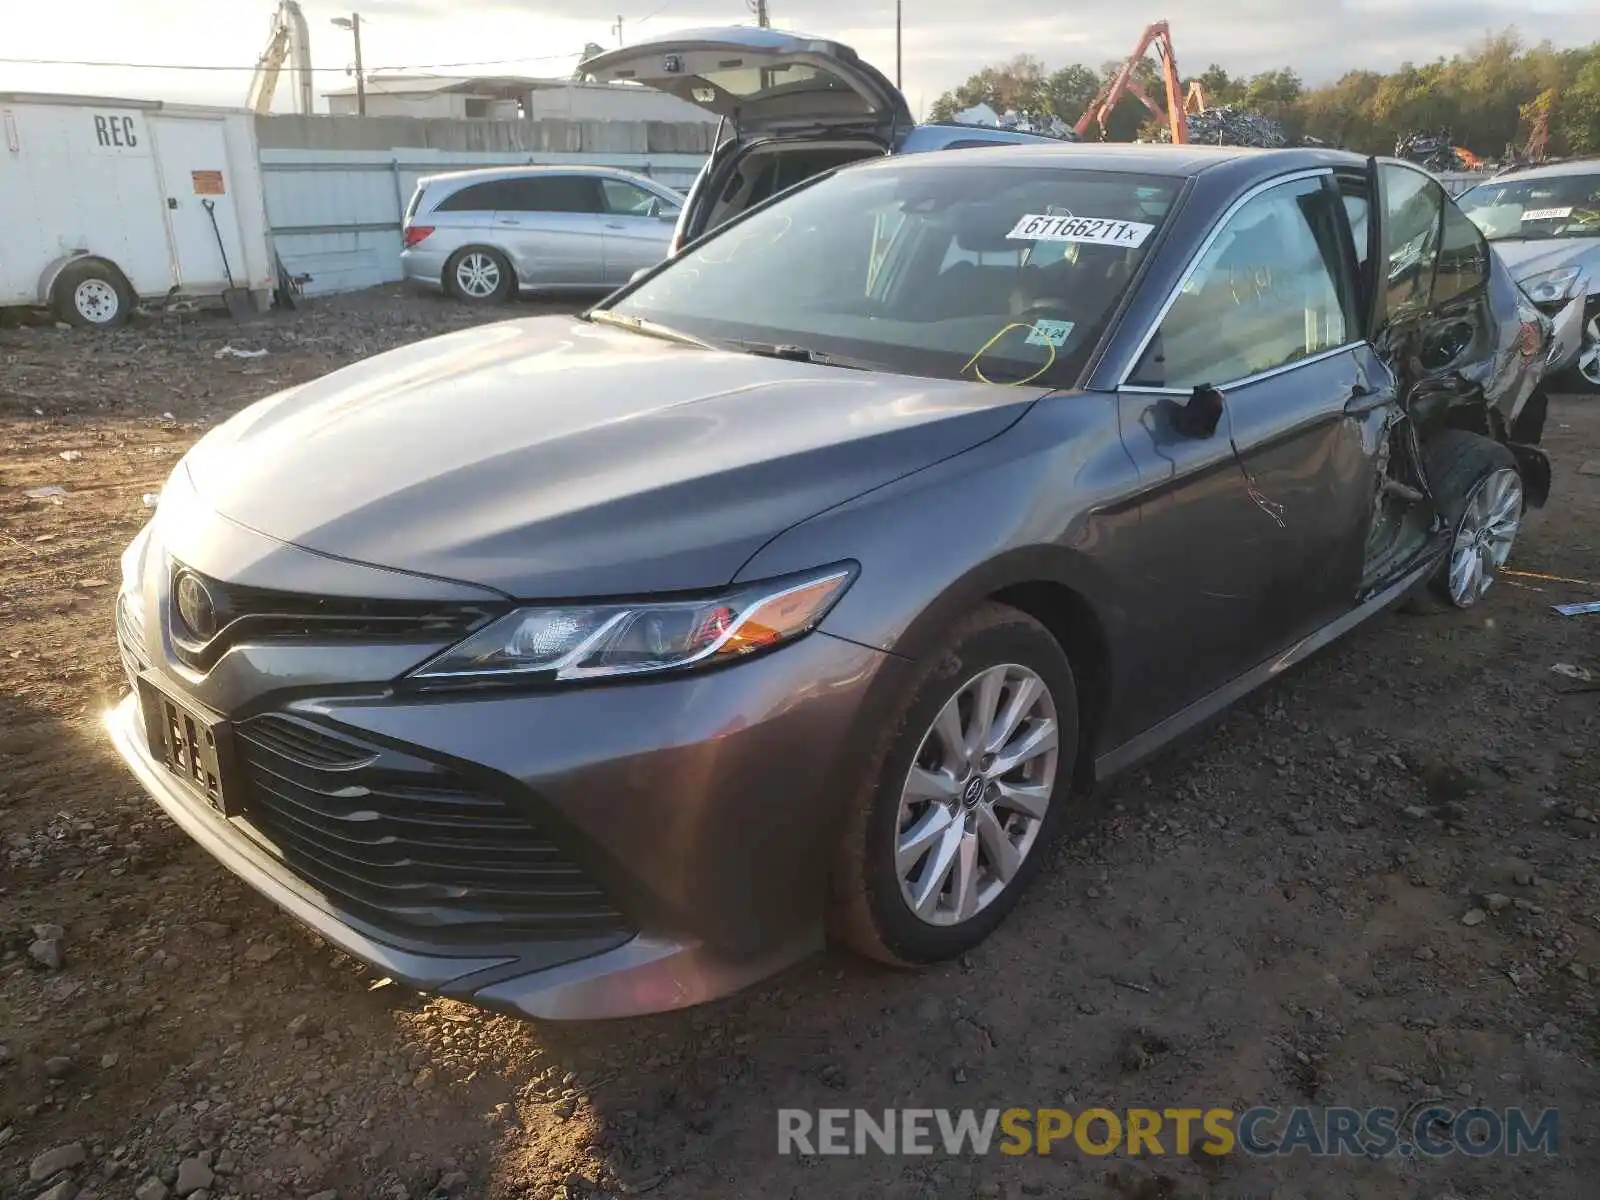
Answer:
x=1267 y=293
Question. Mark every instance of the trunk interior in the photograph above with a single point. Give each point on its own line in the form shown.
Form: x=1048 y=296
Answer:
x=766 y=168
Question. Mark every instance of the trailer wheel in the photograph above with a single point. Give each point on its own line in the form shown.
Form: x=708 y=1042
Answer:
x=92 y=295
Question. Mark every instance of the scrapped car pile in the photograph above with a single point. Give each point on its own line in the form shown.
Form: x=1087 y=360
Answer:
x=1231 y=126
x=1435 y=151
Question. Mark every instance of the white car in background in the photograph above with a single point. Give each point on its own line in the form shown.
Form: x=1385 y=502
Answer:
x=1544 y=223
x=483 y=236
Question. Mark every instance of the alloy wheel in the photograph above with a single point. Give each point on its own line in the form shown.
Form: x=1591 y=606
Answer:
x=478 y=275
x=1485 y=535
x=1589 y=357
x=96 y=301
x=976 y=795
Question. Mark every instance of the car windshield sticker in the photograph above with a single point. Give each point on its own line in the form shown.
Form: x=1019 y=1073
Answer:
x=1546 y=214
x=1050 y=333
x=1096 y=231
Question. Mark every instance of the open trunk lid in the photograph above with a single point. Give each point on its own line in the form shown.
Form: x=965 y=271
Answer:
x=761 y=80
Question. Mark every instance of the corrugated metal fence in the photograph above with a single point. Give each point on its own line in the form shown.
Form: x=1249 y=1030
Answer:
x=336 y=202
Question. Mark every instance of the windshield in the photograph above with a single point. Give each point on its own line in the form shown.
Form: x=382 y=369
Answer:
x=1559 y=206
x=970 y=271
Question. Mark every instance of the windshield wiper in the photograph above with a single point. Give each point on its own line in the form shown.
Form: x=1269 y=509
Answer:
x=805 y=354
x=604 y=316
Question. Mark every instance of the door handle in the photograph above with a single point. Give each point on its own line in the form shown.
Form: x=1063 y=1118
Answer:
x=1364 y=399
x=615 y=225
x=507 y=221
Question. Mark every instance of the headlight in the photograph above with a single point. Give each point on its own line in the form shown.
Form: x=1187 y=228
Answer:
x=573 y=642
x=1552 y=287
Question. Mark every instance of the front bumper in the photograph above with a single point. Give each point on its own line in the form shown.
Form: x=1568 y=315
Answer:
x=706 y=807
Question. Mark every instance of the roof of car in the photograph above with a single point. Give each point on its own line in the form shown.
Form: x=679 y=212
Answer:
x=485 y=174
x=1147 y=158
x=1574 y=166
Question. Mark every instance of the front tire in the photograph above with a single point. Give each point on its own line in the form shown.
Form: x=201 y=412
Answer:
x=92 y=295
x=1479 y=490
x=479 y=275
x=966 y=789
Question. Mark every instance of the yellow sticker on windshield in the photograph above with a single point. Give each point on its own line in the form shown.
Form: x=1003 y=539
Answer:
x=1096 y=231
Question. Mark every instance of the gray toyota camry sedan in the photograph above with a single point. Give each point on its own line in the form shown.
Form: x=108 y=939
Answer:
x=592 y=666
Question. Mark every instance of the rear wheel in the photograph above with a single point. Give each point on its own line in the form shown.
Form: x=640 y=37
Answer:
x=92 y=295
x=1479 y=490
x=479 y=275
x=967 y=788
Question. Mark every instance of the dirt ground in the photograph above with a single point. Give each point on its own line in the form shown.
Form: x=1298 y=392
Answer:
x=1372 y=884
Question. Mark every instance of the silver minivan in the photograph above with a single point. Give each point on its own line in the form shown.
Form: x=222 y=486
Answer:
x=482 y=235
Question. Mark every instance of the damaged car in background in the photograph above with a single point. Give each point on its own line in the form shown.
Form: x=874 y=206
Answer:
x=585 y=667
x=1545 y=223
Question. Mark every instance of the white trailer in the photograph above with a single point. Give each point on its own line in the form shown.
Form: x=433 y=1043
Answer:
x=106 y=202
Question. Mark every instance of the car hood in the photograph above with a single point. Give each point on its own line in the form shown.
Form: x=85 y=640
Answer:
x=1532 y=256
x=549 y=457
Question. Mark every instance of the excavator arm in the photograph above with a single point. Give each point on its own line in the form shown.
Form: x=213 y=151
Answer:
x=289 y=41
x=1156 y=34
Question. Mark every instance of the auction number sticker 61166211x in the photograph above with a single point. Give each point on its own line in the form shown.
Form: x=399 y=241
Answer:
x=1095 y=231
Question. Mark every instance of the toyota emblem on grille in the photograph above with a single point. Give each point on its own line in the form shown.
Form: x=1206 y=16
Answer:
x=195 y=607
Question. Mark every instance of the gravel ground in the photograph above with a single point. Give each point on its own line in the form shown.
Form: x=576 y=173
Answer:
x=1371 y=884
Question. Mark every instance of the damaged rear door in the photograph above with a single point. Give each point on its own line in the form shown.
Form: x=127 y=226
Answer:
x=1434 y=326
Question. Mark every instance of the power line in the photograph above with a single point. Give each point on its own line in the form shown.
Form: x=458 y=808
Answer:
x=663 y=8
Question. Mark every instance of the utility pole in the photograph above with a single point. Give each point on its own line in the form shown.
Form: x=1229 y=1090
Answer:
x=617 y=29
x=763 y=18
x=353 y=24
x=899 y=26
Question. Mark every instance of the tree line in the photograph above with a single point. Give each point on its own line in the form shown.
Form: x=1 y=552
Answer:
x=1489 y=98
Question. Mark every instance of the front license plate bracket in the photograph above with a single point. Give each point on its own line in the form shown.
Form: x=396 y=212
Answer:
x=191 y=743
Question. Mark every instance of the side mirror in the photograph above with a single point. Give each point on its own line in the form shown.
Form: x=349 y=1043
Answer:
x=1199 y=416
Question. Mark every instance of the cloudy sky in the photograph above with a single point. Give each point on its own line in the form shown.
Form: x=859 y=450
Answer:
x=945 y=40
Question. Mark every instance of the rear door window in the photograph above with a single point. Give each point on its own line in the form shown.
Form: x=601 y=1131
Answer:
x=476 y=197
x=1413 y=209
x=554 y=194
x=1463 y=257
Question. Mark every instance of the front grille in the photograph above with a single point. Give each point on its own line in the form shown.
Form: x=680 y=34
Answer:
x=304 y=743
x=260 y=615
x=406 y=844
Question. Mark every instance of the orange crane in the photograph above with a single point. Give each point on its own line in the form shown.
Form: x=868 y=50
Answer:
x=1175 y=114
